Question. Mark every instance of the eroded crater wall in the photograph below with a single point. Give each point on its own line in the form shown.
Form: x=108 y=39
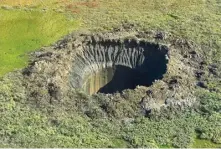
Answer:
x=136 y=63
x=49 y=78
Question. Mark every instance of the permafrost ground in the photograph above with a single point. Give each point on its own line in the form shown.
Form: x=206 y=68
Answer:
x=148 y=75
x=113 y=66
x=161 y=68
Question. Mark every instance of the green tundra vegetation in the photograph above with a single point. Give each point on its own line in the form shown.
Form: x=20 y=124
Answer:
x=24 y=29
x=31 y=27
x=66 y=125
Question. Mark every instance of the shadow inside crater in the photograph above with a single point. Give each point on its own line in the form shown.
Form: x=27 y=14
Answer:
x=111 y=66
x=153 y=68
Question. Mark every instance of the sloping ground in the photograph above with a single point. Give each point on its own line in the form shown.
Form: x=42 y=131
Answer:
x=33 y=116
x=22 y=32
x=40 y=108
x=191 y=20
x=83 y=121
x=133 y=63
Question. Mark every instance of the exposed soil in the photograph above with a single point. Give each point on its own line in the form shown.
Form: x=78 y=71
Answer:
x=131 y=63
x=159 y=66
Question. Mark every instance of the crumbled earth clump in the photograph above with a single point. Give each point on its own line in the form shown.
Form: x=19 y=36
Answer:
x=59 y=71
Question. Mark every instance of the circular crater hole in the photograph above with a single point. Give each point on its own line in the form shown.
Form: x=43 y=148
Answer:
x=112 y=66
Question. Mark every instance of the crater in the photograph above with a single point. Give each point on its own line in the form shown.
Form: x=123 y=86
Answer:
x=110 y=66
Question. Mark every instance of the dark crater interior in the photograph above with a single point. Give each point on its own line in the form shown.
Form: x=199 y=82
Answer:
x=110 y=66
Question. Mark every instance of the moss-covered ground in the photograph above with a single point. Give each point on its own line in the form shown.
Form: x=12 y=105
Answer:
x=24 y=31
x=28 y=25
x=66 y=125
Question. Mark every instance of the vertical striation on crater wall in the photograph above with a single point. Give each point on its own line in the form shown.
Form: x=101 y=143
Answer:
x=112 y=62
x=131 y=62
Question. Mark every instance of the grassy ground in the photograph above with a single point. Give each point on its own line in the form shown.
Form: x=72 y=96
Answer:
x=30 y=30
x=199 y=143
x=26 y=2
x=64 y=125
x=22 y=31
